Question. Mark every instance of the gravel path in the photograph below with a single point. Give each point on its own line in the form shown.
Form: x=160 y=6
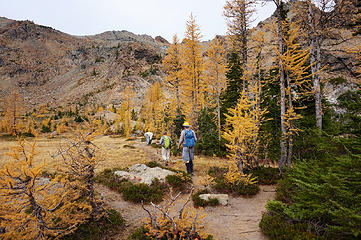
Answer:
x=238 y=220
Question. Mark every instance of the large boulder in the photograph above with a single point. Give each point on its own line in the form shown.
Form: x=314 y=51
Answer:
x=106 y=115
x=143 y=174
x=222 y=198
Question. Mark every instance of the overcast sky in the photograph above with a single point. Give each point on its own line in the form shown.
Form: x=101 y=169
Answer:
x=152 y=17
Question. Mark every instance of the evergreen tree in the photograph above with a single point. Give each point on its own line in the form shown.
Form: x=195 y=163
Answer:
x=234 y=87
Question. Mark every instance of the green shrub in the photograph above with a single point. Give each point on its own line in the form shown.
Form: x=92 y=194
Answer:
x=139 y=234
x=104 y=228
x=45 y=129
x=129 y=146
x=337 y=80
x=155 y=145
x=265 y=175
x=323 y=194
x=153 y=164
x=223 y=187
x=208 y=143
x=140 y=192
x=198 y=202
x=28 y=134
x=181 y=182
x=277 y=228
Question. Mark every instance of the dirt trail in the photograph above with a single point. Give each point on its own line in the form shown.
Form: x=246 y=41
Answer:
x=238 y=220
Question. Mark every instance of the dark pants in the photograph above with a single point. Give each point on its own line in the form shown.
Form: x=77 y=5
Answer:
x=147 y=138
x=189 y=167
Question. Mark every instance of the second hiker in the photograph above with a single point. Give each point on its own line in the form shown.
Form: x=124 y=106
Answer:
x=166 y=143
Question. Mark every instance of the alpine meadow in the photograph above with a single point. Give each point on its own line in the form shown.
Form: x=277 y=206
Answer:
x=250 y=134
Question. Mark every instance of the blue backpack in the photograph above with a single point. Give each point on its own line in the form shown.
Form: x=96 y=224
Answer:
x=189 y=139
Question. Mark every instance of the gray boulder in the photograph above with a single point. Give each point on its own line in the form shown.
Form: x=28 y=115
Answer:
x=143 y=174
x=222 y=198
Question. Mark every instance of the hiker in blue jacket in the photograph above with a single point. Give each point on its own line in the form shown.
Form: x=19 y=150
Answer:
x=188 y=138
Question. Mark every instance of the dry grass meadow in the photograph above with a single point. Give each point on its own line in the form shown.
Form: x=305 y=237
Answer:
x=114 y=152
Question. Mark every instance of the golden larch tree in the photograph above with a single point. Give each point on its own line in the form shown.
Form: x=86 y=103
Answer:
x=298 y=82
x=13 y=110
x=192 y=68
x=33 y=207
x=172 y=66
x=242 y=131
x=215 y=68
x=125 y=111
x=81 y=157
x=153 y=109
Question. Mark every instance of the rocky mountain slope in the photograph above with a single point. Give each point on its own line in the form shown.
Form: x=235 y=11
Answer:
x=48 y=66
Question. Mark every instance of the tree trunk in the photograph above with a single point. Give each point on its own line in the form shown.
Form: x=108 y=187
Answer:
x=282 y=88
x=315 y=61
x=218 y=107
x=317 y=86
x=177 y=93
x=290 y=136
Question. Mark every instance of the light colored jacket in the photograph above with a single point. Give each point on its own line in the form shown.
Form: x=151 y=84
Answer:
x=182 y=137
x=150 y=135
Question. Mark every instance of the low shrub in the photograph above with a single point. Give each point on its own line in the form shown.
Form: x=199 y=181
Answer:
x=153 y=164
x=139 y=234
x=45 y=129
x=106 y=227
x=181 y=182
x=223 y=187
x=129 y=146
x=265 y=175
x=155 y=145
x=134 y=192
x=140 y=192
x=198 y=202
x=277 y=228
x=142 y=233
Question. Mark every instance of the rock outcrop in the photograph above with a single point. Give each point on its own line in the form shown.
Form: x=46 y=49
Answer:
x=140 y=173
x=222 y=198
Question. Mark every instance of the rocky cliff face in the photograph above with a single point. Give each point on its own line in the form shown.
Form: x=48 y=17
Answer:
x=48 y=66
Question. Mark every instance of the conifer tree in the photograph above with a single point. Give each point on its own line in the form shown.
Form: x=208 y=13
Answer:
x=80 y=158
x=279 y=19
x=192 y=68
x=238 y=14
x=172 y=66
x=215 y=75
x=13 y=109
x=242 y=130
x=153 y=109
x=294 y=60
x=234 y=75
x=32 y=208
x=125 y=111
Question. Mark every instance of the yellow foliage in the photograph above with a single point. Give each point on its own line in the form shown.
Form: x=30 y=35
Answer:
x=242 y=129
x=206 y=181
x=29 y=205
x=193 y=85
x=186 y=221
x=153 y=109
x=125 y=112
x=173 y=66
x=13 y=110
x=234 y=176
